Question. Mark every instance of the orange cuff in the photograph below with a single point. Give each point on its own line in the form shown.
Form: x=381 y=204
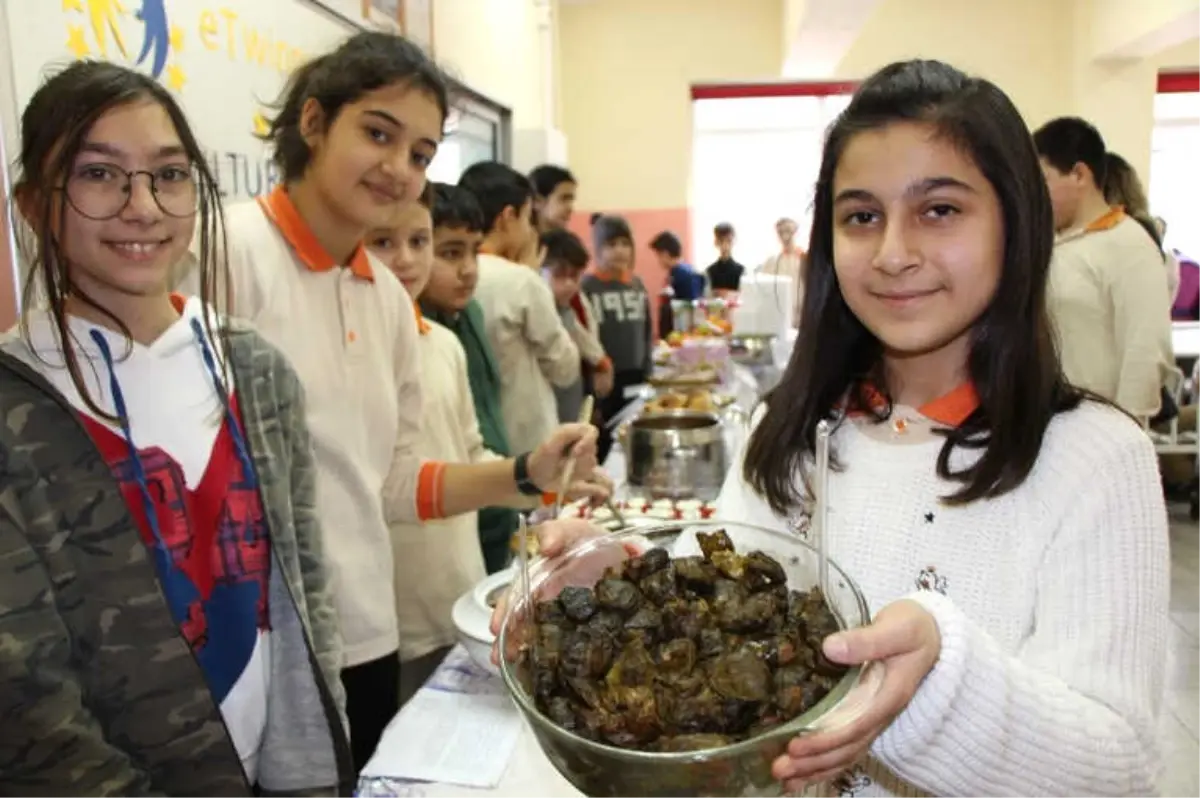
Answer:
x=431 y=486
x=549 y=498
x=605 y=365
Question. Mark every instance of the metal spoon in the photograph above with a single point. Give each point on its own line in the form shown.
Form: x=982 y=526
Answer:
x=821 y=511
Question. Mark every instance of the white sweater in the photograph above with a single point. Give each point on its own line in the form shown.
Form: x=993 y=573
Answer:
x=1051 y=600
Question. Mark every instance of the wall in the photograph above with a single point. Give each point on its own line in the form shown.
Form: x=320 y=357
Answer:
x=1052 y=57
x=1024 y=46
x=494 y=47
x=626 y=108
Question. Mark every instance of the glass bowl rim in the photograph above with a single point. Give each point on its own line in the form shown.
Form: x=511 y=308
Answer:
x=801 y=723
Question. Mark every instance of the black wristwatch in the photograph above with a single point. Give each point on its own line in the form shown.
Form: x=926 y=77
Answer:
x=521 y=476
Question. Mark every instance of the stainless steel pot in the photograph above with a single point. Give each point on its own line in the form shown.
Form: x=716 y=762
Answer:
x=677 y=454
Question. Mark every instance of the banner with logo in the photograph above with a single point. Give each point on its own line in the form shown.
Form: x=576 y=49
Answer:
x=225 y=60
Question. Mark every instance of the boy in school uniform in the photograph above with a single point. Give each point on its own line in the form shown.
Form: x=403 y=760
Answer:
x=1107 y=291
x=686 y=283
x=437 y=559
x=448 y=300
x=564 y=262
x=534 y=351
x=725 y=273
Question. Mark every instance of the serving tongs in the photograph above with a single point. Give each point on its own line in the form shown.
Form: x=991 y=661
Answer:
x=820 y=517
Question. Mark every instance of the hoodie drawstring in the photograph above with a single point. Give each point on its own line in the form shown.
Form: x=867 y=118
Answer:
x=139 y=472
x=235 y=429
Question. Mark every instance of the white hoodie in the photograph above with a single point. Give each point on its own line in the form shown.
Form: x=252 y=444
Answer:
x=194 y=470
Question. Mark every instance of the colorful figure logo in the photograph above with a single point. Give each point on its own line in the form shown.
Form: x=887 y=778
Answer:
x=155 y=34
x=107 y=20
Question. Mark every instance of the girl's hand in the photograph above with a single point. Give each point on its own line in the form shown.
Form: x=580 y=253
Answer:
x=905 y=640
x=555 y=538
x=596 y=487
x=548 y=461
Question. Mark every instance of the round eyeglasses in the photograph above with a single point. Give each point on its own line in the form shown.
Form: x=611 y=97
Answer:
x=101 y=191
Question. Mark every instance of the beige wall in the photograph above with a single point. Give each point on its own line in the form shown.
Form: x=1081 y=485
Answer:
x=626 y=69
x=494 y=47
x=1044 y=54
x=1021 y=45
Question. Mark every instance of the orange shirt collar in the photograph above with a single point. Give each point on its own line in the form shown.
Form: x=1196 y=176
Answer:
x=422 y=324
x=282 y=212
x=609 y=276
x=950 y=410
x=1108 y=221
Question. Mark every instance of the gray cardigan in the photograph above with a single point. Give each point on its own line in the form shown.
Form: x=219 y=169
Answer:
x=99 y=692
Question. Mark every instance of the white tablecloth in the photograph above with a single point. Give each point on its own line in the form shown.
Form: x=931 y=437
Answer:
x=529 y=772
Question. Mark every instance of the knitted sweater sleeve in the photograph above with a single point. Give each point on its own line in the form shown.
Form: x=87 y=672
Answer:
x=1073 y=710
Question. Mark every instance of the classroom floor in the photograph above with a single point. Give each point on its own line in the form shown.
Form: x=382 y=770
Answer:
x=1178 y=725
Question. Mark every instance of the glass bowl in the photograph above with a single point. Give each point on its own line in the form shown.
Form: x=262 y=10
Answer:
x=742 y=768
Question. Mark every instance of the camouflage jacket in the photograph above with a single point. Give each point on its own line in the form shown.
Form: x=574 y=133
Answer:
x=99 y=692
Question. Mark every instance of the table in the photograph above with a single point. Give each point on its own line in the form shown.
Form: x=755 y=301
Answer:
x=529 y=772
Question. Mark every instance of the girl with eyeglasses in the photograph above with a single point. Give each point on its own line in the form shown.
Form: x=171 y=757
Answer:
x=165 y=624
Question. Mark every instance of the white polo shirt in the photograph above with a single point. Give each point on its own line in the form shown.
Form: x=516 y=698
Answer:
x=351 y=334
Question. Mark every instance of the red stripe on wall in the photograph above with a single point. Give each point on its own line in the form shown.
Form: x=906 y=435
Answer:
x=1179 y=82
x=725 y=91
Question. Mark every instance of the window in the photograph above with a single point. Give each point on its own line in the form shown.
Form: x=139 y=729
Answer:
x=476 y=130
x=756 y=158
x=1175 y=161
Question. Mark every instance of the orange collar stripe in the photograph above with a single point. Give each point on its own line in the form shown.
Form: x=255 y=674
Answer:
x=422 y=324
x=282 y=212
x=1108 y=221
x=951 y=410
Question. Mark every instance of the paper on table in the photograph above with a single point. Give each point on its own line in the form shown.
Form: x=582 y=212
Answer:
x=451 y=737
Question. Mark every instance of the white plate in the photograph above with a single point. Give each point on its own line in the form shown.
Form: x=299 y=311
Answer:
x=472 y=625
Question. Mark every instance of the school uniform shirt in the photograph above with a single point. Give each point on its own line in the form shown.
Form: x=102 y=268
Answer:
x=579 y=321
x=621 y=306
x=1108 y=300
x=439 y=560
x=184 y=471
x=725 y=274
x=1051 y=602
x=686 y=283
x=351 y=334
x=533 y=349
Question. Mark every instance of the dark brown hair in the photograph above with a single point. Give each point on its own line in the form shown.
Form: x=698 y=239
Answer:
x=1013 y=361
x=54 y=127
x=363 y=63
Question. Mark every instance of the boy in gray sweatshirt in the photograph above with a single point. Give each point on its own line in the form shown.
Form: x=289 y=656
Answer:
x=621 y=307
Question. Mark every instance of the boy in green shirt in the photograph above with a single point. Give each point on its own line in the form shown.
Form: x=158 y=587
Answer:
x=447 y=300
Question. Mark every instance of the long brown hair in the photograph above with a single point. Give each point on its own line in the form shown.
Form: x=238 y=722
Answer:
x=54 y=126
x=1013 y=360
